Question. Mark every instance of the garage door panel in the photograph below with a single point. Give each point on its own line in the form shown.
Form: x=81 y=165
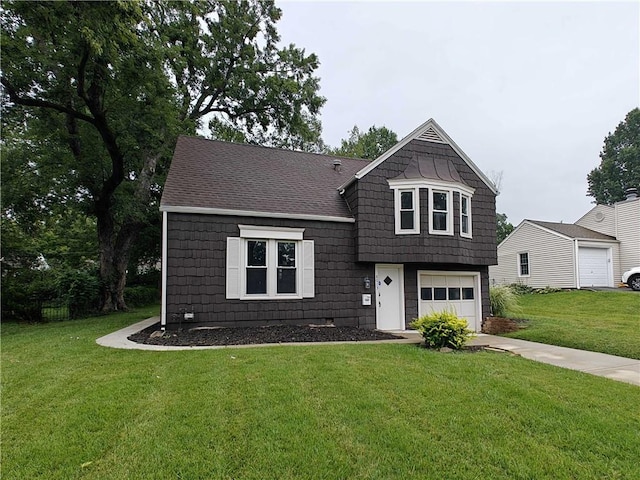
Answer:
x=455 y=292
x=594 y=267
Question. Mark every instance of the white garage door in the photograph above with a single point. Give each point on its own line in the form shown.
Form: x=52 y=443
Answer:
x=594 y=267
x=448 y=291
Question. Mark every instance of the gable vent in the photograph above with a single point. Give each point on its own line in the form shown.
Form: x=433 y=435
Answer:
x=430 y=135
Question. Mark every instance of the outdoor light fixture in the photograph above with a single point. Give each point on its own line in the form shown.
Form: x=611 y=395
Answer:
x=367 y=283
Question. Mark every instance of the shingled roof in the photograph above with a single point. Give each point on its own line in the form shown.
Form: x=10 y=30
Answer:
x=211 y=176
x=573 y=231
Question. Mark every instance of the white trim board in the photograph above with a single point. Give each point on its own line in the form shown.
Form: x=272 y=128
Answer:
x=250 y=213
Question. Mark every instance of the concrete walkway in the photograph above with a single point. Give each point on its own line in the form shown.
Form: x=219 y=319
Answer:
x=610 y=366
x=616 y=368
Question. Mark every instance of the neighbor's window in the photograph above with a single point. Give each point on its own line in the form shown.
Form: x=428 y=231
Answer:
x=440 y=212
x=465 y=215
x=407 y=211
x=523 y=264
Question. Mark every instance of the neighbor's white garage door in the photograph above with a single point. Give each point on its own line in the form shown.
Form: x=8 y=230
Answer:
x=594 y=267
x=447 y=291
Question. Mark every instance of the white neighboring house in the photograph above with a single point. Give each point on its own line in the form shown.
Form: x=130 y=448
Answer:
x=593 y=252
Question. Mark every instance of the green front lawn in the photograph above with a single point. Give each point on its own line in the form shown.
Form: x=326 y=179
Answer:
x=72 y=409
x=607 y=322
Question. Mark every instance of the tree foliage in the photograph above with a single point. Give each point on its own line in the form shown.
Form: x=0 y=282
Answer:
x=503 y=227
x=101 y=90
x=370 y=144
x=619 y=167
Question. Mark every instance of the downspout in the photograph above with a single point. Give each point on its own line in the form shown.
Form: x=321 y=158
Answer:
x=576 y=262
x=163 y=307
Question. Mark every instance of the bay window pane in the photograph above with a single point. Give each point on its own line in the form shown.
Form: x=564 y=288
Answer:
x=465 y=224
x=406 y=200
x=439 y=221
x=440 y=201
x=406 y=220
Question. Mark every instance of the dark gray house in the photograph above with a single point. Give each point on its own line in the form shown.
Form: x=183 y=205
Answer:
x=258 y=236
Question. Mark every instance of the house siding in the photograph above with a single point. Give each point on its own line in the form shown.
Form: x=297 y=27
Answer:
x=601 y=219
x=196 y=275
x=551 y=259
x=375 y=215
x=628 y=233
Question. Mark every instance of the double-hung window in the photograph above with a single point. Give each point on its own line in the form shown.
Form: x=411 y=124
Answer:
x=270 y=263
x=440 y=212
x=407 y=210
x=523 y=264
x=465 y=215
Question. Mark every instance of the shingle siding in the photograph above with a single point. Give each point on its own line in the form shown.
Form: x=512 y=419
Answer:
x=196 y=275
x=375 y=214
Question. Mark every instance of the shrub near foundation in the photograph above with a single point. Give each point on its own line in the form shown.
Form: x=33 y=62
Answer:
x=443 y=329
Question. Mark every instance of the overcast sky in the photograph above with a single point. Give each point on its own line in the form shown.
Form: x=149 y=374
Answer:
x=527 y=89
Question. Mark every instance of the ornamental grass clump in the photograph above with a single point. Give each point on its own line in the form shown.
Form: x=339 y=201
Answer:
x=503 y=299
x=443 y=329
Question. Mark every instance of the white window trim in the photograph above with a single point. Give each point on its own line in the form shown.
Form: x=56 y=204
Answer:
x=237 y=252
x=416 y=210
x=528 y=264
x=449 y=230
x=272 y=271
x=279 y=233
x=469 y=234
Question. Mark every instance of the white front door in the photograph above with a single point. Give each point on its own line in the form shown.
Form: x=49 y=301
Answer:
x=389 y=297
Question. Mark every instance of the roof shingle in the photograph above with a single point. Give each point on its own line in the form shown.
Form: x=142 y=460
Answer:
x=572 y=230
x=211 y=174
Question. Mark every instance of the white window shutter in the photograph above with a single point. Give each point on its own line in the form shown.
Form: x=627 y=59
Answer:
x=233 y=267
x=308 y=271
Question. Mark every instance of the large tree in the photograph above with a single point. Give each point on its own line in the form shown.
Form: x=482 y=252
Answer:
x=117 y=82
x=370 y=144
x=619 y=167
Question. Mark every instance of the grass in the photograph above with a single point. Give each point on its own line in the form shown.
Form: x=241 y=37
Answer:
x=607 y=322
x=74 y=410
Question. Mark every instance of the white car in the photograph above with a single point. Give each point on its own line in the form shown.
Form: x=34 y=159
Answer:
x=632 y=278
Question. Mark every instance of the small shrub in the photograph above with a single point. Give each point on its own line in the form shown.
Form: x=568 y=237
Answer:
x=521 y=288
x=547 y=289
x=503 y=299
x=443 y=329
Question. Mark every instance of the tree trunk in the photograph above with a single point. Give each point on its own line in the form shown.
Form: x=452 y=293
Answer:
x=115 y=248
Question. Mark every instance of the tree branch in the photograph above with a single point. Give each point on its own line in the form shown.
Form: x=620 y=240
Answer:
x=35 y=102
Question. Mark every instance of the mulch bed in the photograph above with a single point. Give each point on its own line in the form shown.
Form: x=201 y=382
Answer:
x=257 y=335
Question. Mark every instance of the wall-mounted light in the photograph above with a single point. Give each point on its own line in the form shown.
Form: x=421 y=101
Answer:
x=367 y=283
